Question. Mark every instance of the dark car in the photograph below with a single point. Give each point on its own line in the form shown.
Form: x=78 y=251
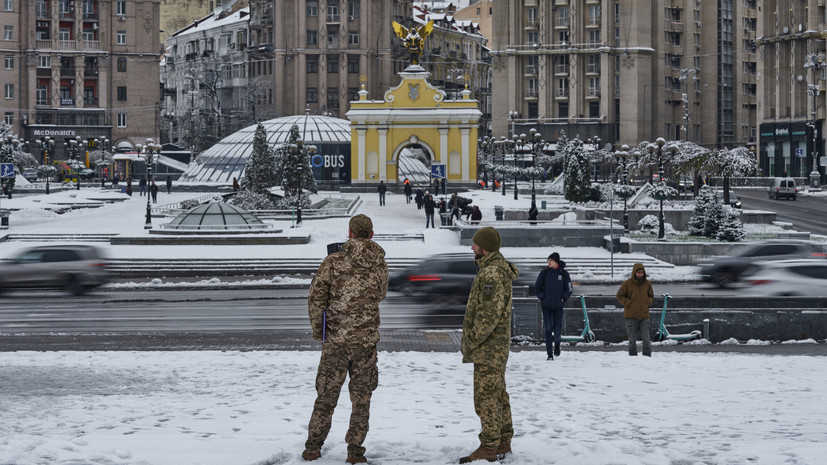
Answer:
x=74 y=268
x=445 y=278
x=728 y=270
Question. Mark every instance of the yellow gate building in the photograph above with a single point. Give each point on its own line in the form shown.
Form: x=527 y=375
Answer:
x=413 y=114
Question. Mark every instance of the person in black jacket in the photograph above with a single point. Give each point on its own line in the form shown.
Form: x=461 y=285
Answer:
x=408 y=190
x=429 y=211
x=553 y=289
x=419 y=197
x=382 y=189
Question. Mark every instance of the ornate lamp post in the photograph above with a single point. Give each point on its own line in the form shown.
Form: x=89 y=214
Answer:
x=72 y=151
x=151 y=151
x=622 y=157
x=814 y=62
x=102 y=144
x=656 y=149
x=302 y=150
x=515 y=138
x=485 y=146
x=684 y=77
x=535 y=140
x=7 y=149
x=46 y=144
x=506 y=145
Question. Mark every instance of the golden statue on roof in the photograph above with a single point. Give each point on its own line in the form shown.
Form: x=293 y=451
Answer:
x=414 y=38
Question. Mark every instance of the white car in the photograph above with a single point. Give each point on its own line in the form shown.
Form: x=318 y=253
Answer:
x=803 y=277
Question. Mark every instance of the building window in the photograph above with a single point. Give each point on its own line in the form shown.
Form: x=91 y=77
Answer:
x=533 y=37
x=44 y=62
x=353 y=38
x=594 y=87
x=121 y=38
x=121 y=120
x=333 y=38
x=353 y=65
x=332 y=64
x=312 y=64
x=9 y=62
x=563 y=110
x=312 y=38
x=333 y=13
x=594 y=36
x=353 y=9
x=352 y=94
x=312 y=8
x=42 y=92
x=121 y=64
x=312 y=95
x=9 y=91
x=122 y=93
x=8 y=32
x=120 y=8
x=563 y=16
x=63 y=34
x=594 y=64
x=594 y=109
x=9 y=118
x=9 y=5
x=65 y=91
x=333 y=98
x=594 y=15
x=563 y=87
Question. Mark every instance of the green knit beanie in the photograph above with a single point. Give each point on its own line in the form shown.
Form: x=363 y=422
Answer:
x=488 y=238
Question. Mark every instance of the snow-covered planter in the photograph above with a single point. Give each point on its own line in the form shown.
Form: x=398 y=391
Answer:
x=661 y=191
x=624 y=191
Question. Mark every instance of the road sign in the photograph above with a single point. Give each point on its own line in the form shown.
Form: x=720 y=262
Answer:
x=6 y=170
x=799 y=153
x=437 y=171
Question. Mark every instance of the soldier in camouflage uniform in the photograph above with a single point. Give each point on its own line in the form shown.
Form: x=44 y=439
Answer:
x=344 y=312
x=486 y=339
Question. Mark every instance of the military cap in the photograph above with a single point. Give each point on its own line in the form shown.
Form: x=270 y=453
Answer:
x=488 y=238
x=361 y=226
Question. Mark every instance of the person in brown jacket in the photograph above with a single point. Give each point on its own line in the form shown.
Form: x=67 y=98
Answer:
x=636 y=295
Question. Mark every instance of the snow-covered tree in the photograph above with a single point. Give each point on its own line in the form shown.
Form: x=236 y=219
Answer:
x=731 y=229
x=576 y=169
x=692 y=159
x=293 y=164
x=697 y=223
x=260 y=171
x=732 y=162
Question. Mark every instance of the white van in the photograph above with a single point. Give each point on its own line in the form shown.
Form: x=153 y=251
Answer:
x=783 y=187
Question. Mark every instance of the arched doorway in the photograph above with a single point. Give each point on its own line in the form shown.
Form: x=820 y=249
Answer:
x=413 y=162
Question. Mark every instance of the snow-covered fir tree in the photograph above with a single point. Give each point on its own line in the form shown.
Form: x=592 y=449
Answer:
x=293 y=163
x=731 y=229
x=259 y=175
x=697 y=223
x=714 y=216
x=576 y=169
x=260 y=171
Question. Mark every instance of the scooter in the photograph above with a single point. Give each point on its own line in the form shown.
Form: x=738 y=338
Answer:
x=662 y=333
x=587 y=335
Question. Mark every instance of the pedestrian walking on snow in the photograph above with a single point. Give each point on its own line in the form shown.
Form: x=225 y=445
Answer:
x=486 y=340
x=382 y=189
x=142 y=186
x=430 y=206
x=153 y=189
x=343 y=304
x=419 y=197
x=169 y=185
x=636 y=295
x=553 y=288
x=408 y=191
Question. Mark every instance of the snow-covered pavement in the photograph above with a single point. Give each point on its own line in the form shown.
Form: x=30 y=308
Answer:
x=246 y=408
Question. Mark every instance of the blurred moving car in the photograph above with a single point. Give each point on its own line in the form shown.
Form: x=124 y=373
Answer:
x=446 y=277
x=783 y=187
x=806 y=278
x=74 y=268
x=728 y=270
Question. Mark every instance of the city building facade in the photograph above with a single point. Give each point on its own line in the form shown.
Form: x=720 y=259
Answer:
x=791 y=89
x=626 y=71
x=80 y=68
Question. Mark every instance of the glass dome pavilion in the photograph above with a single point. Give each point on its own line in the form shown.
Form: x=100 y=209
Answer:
x=226 y=159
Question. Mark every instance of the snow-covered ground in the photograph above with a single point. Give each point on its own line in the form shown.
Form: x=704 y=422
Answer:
x=252 y=408
x=127 y=217
x=227 y=408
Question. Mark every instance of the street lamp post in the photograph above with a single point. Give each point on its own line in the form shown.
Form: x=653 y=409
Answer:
x=484 y=145
x=102 y=144
x=45 y=145
x=7 y=148
x=535 y=140
x=72 y=151
x=515 y=139
x=623 y=157
x=299 y=148
x=814 y=62
x=151 y=150
x=657 y=150
x=684 y=77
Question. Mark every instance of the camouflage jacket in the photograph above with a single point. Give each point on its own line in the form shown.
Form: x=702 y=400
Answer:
x=345 y=293
x=486 y=330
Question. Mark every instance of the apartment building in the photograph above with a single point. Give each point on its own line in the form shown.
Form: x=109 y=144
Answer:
x=791 y=90
x=204 y=76
x=317 y=54
x=80 y=68
x=626 y=71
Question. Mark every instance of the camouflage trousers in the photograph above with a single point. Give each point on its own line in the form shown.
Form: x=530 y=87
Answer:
x=493 y=406
x=337 y=362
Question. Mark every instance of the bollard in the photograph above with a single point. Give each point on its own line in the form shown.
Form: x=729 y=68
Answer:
x=706 y=329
